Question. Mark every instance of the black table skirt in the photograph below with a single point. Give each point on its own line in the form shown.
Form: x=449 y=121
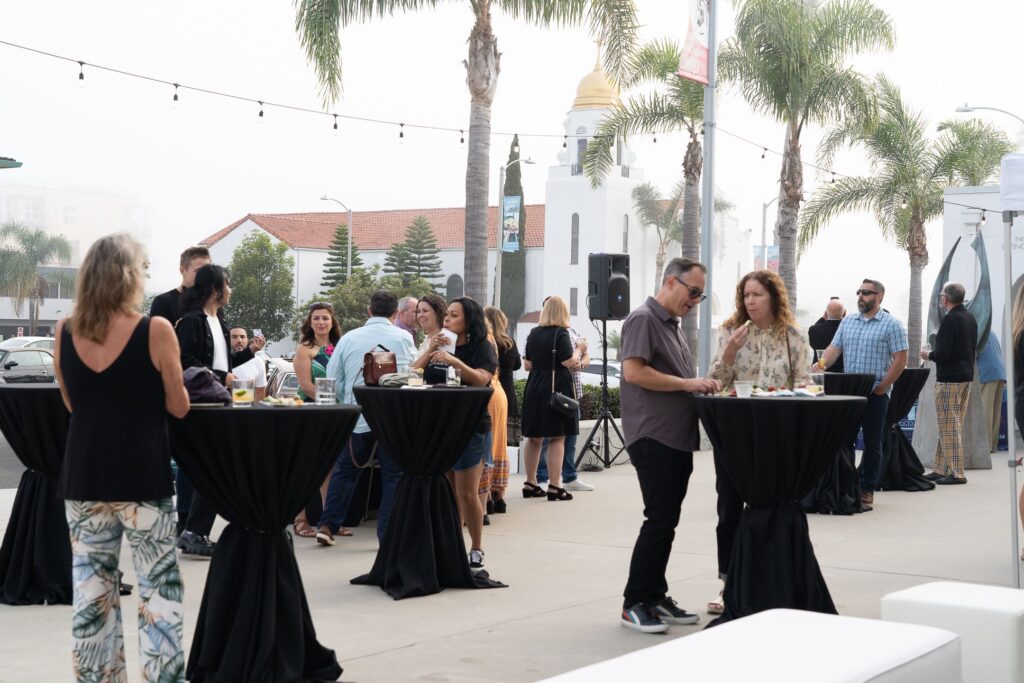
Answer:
x=35 y=558
x=774 y=450
x=425 y=430
x=901 y=468
x=838 y=490
x=257 y=467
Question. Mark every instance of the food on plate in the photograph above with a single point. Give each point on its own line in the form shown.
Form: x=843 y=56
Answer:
x=274 y=401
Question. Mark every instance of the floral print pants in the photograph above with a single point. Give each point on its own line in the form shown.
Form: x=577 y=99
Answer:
x=98 y=639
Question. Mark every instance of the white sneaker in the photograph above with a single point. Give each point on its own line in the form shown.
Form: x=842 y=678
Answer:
x=577 y=485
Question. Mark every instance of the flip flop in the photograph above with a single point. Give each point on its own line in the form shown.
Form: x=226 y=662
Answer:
x=304 y=530
x=344 y=532
x=716 y=605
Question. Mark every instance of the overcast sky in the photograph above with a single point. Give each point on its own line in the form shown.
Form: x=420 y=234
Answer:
x=208 y=162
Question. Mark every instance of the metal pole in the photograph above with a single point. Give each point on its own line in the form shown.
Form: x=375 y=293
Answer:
x=348 y=264
x=498 y=240
x=1011 y=437
x=764 y=231
x=708 y=191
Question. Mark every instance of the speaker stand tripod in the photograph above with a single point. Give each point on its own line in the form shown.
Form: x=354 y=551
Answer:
x=604 y=417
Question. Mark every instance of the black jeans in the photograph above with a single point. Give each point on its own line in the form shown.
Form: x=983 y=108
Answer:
x=730 y=509
x=664 y=473
x=201 y=516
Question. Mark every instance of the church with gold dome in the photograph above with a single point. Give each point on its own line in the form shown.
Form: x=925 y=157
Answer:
x=574 y=221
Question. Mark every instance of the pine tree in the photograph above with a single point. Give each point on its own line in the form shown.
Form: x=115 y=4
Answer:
x=421 y=252
x=396 y=261
x=335 y=268
x=513 y=263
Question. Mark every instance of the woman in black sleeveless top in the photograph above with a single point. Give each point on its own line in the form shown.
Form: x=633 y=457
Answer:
x=120 y=374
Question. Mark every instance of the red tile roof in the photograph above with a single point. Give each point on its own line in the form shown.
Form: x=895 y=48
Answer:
x=379 y=229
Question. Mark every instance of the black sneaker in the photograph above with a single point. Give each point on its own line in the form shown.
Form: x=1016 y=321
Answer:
x=191 y=543
x=642 y=618
x=476 y=560
x=671 y=613
x=487 y=520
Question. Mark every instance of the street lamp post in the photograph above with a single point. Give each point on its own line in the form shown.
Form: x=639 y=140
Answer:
x=498 y=240
x=764 y=230
x=348 y=263
x=967 y=109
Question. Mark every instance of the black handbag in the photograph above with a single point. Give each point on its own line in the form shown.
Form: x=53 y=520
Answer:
x=559 y=402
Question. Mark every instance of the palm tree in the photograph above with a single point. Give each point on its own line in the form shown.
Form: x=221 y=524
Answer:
x=787 y=58
x=612 y=22
x=908 y=175
x=20 y=262
x=653 y=210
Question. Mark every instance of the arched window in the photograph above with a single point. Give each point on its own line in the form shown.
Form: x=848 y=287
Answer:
x=625 y=234
x=455 y=287
x=574 y=244
x=581 y=150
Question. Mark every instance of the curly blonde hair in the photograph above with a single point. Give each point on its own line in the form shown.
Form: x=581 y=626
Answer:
x=782 y=316
x=110 y=281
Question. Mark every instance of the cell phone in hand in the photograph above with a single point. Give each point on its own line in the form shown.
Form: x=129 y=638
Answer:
x=257 y=332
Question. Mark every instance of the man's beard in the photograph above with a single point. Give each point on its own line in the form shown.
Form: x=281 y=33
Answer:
x=865 y=306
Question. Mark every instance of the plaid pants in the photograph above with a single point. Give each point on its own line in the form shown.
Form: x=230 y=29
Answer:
x=950 y=408
x=98 y=638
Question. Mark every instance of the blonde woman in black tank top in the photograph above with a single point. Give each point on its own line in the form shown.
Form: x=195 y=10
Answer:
x=120 y=375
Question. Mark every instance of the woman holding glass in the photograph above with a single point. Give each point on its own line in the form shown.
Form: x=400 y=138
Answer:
x=319 y=332
x=549 y=357
x=762 y=344
x=120 y=374
x=476 y=362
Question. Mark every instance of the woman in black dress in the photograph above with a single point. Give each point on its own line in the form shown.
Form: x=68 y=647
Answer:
x=539 y=420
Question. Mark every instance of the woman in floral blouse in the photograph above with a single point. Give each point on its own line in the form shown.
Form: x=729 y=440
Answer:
x=761 y=343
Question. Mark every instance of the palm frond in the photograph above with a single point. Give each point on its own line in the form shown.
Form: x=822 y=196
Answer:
x=968 y=152
x=842 y=27
x=658 y=60
x=318 y=23
x=837 y=93
x=647 y=203
x=833 y=199
x=614 y=23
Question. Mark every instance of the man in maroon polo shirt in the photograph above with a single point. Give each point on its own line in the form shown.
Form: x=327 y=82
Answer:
x=659 y=421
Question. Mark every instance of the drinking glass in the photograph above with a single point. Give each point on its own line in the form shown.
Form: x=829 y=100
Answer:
x=454 y=378
x=818 y=353
x=242 y=392
x=744 y=388
x=325 y=391
x=818 y=379
x=416 y=378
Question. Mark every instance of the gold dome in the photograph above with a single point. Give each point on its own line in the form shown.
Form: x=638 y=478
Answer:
x=596 y=92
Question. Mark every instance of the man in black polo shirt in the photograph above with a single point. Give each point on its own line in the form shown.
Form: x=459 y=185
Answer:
x=168 y=304
x=659 y=422
x=820 y=334
x=954 y=356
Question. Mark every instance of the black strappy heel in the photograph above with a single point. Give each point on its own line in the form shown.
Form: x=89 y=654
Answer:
x=532 y=490
x=556 y=493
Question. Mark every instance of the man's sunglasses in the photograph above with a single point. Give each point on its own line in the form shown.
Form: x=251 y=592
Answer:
x=865 y=292
x=694 y=292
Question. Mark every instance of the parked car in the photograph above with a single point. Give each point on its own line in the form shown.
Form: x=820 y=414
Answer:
x=27 y=343
x=281 y=379
x=26 y=366
x=592 y=373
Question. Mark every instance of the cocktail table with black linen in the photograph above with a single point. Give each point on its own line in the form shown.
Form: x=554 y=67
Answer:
x=257 y=467
x=774 y=449
x=901 y=468
x=35 y=558
x=838 y=490
x=425 y=430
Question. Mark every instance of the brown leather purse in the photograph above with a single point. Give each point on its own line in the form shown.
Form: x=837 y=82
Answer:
x=376 y=364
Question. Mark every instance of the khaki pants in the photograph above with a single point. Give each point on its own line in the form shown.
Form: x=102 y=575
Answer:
x=992 y=401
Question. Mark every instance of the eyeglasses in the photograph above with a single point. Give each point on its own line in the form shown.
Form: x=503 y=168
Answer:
x=694 y=292
x=865 y=292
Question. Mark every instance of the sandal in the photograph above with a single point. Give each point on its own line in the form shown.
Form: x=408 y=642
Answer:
x=303 y=529
x=532 y=490
x=344 y=532
x=556 y=493
x=716 y=605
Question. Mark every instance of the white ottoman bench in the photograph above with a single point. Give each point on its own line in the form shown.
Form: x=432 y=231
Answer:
x=791 y=646
x=988 y=619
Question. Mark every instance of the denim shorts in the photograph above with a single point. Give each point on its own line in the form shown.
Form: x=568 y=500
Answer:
x=476 y=451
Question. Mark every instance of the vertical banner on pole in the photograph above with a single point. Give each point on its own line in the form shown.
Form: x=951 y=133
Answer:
x=693 y=62
x=510 y=223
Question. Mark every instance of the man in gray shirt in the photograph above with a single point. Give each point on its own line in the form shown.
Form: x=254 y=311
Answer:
x=659 y=421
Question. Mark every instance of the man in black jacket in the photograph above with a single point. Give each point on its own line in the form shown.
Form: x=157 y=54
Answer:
x=954 y=356
x=168 y=305
x=820 y=334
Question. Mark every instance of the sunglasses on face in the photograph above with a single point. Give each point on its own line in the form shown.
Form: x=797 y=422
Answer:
x=694 y=292
x=321 y=305
x=865 y=292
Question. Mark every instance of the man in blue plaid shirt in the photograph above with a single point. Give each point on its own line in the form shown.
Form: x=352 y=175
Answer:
x=872 y=342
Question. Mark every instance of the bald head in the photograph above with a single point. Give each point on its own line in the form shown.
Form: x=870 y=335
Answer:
x=835 y=310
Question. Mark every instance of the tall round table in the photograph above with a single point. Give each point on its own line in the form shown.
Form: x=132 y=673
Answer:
x=901 y=468
x=35 y=558
x=774 y=450
x=257 y=467
x=425 y=430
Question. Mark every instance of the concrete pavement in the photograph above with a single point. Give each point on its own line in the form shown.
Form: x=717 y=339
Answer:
x=566 y=564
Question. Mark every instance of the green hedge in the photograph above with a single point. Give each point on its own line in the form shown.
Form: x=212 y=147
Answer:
x=590 y=401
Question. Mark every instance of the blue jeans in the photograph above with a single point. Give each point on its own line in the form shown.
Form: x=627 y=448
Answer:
x=873 y=426
x=345 y=475
x=568 y=459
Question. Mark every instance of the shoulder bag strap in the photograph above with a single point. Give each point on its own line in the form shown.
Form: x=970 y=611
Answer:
x=554 y=346
x=789 y=353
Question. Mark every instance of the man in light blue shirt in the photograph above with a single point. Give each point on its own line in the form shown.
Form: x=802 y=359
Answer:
x=873 y=342
x=346 y=367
